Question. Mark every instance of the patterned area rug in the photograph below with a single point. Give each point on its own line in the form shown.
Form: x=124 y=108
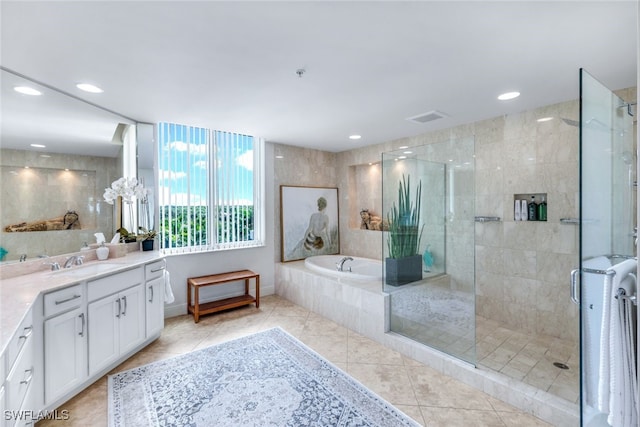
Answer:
x=266 y=379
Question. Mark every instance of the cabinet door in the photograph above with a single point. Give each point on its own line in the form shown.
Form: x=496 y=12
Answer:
x=132 y=318
x=65 y=353
x=102 y=322
x=155 y=306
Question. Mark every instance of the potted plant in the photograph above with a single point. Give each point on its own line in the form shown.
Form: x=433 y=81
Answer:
x=147 y=237
x=125 y=236
x=404 y=264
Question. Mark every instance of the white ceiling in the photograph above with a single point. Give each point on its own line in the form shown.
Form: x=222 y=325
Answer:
x=369 y=65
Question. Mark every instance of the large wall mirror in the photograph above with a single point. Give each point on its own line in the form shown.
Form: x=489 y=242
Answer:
x=57 y=155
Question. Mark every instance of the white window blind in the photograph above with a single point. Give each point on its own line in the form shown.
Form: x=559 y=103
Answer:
x=211 y=189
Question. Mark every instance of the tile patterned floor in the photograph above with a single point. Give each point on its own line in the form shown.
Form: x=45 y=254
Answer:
x=522 y=356
x=427 y=396
x=529 y=358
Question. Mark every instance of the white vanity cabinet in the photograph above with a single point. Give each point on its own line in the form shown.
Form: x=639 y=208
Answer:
x=115 y=316
x=20 y=366
x=78 y=326
x=154 y=287
x=65 y=341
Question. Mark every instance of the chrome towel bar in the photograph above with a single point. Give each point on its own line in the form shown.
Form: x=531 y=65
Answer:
x=608 y=272
x=487 y=219
x=622 y=294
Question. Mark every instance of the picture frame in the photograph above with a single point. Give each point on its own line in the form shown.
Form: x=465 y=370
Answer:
x=309 y=222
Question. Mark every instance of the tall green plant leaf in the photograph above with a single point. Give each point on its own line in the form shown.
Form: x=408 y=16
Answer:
x=405 y=231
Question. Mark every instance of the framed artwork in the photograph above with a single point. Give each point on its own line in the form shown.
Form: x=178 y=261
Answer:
x=308 y=222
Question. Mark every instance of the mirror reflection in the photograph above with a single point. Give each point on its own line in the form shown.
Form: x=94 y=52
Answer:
x=57 y=155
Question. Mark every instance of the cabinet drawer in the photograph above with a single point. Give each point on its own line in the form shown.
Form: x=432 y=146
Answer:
x=154 y=270
x=20 y=377
x=100 y=288
x=21 y=337
x=62 y=300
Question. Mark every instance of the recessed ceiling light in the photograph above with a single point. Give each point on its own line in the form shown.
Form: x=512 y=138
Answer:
x=355 y=136
x=87 y=87
x=402 y=147
x=46 y=156
x=545 y=119
x=508 y=95
x=279 y=157
x=407 y=152
x=38 y=145
x=26 y=90
x=402 y=157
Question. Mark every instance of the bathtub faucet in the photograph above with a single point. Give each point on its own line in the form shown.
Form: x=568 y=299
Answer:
x=340 y=264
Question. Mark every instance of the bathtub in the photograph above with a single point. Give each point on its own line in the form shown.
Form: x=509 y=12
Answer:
x=361 y=268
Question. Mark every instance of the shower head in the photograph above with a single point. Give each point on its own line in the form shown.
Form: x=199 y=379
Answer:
x=592 y=123
x=571 y=122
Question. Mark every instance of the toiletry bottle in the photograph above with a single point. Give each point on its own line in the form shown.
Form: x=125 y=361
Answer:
x=542 y=210
x=524 y=212
x=533 y=209
x=516 y=210
x=102 y=252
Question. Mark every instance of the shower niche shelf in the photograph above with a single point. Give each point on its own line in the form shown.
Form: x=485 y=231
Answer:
x=538 y=198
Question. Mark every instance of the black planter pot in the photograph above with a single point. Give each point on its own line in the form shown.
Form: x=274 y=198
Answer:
x=403 y=270
x=147 y=245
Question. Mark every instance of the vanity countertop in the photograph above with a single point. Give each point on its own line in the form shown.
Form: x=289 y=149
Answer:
x=17 y=294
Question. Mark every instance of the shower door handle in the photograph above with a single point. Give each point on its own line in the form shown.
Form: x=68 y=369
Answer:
x=574 y=286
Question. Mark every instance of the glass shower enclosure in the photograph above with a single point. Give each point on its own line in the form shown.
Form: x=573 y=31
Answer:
x=428 y=248
x=607 y=220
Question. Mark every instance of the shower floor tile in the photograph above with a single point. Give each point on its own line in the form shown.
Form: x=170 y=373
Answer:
x=529 y=358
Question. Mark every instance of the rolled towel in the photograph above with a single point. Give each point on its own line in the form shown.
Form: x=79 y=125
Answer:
x=591 y=299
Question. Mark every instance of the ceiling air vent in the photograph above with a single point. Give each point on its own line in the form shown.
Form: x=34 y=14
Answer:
x=427 y=117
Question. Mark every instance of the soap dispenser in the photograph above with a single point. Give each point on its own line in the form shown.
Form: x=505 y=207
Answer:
x=102 y=252
x=542 y=210
x=533 y=209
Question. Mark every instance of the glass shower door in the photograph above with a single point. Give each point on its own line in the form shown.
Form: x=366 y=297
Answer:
x=607 y=220
x=437 y=307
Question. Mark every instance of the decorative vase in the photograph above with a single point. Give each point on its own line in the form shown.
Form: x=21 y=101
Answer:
x=147 y=245
x=427 y=258
x=403 y=270
x=102 y=252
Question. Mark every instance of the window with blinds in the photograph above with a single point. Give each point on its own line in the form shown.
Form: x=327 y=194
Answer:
x=210 y=190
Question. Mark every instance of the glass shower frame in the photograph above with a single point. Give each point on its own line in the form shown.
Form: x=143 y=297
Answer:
x=438 y=310
x=607 y=218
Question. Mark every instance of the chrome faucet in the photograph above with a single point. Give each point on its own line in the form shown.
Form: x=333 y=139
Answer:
x=54 y=265
x=340 y=264
x=23 y=257
x=75 y=259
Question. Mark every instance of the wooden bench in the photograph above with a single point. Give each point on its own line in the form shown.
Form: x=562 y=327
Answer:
x=218 y=279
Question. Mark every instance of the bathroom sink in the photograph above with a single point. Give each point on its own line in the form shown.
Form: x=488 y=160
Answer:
x=87 y=269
